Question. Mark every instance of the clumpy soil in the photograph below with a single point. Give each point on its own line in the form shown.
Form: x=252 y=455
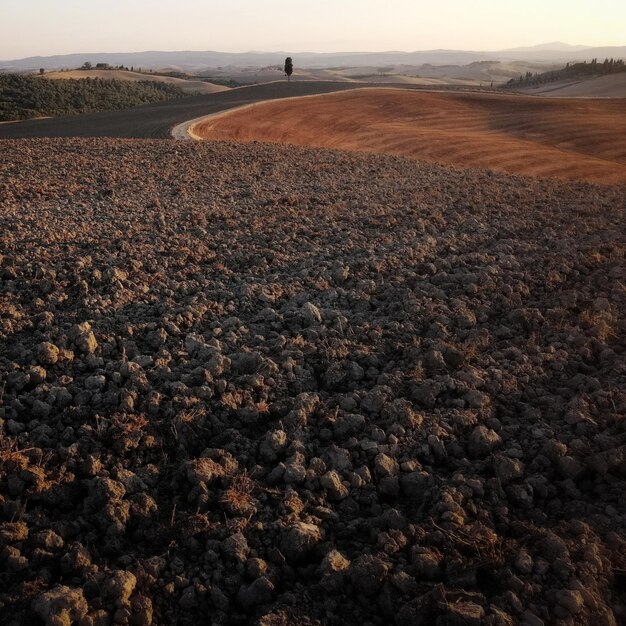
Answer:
x=270 y=385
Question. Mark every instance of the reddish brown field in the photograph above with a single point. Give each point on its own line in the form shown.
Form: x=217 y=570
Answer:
x=558 y=138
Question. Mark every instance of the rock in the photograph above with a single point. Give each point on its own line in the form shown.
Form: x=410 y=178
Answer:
x=609 y=460
x=188 y=599
x=507 y=469
x=119 y=587
x=15 y=428
x=273 y=444
x=259 y=592
x=402 y=412
x=331 y=481
x=389 y=487
x=524 y=562
x=477 y=399
x=48 y=540
x=415 y=484
x=299 y=540
x=37 y=375
x=61 y=606
x=96 y=383
x=103 y=492
x=340 y=273
x=255 y=568
x=333 y=563
x=530 y=619
x=375 y=400
x=14 y=560
x=142 y=612
x=349 y=424
x=311 y=314
x=203 y=471
x=13 y=532
x=425 y=563
x=385 y=465
x=482 y=442
x=434 y=362
x=294 y=473
x=553 y=547
x=236 y=548
x=337 y=458
x=367 y=574
x=96 y=618
x=404 y=583
x=569 y=467
x=572 y=601
x=461 y=614
x=84 y=339
x=219 y=599
x=48 y=353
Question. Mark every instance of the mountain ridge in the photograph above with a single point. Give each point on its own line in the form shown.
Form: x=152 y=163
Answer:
x=188 y=60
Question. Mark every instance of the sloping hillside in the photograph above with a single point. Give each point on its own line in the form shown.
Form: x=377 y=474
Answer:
x=568 y=139
x=188 y=86
x=24 y=97
x=611 y=86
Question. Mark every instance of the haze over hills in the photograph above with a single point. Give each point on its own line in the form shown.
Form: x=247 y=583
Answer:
x=553 y=46
x=194 y=61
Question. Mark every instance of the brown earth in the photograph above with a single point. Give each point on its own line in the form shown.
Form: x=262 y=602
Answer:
x=271 y=385
x=188 y=86
x=564 y=138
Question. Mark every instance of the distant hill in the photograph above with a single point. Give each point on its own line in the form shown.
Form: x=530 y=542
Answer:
x=554 y=46
x=188 y=86
x=571 y=72
x=610 y=86
x=190 y=61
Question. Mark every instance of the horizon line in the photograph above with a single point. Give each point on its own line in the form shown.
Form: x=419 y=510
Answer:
x=528 y=48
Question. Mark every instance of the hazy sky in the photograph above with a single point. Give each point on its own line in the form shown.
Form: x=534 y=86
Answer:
x=45 y=27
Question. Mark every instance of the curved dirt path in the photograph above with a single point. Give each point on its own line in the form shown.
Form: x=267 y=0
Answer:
x=560 y=138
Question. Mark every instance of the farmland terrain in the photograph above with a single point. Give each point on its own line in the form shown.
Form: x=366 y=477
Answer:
x=157 y=120
x=264 y=384
x=564 y=138
x=188 y=86
x=612 y=86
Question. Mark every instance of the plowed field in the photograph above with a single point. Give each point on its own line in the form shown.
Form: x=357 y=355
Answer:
x=557 y=138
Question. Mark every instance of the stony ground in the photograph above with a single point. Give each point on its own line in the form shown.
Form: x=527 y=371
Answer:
x=254 y=384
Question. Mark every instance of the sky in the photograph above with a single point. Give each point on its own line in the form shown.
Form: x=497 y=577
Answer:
x=47 y=27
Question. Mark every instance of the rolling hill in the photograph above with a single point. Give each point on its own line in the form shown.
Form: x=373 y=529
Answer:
x=611 y=86
x=188 y=86
x=567 y=139
x=193 y=61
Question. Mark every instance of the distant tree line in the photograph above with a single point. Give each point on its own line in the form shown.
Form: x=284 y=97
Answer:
x=569 y=72
x=23 y=97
